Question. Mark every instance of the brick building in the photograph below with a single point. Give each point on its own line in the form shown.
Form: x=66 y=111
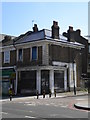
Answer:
x=88 y=68
x=44 y=59
x=6 y=65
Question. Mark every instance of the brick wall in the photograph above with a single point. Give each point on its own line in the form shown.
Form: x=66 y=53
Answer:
x=58 y=53
x=27 y=58
x=12 y=59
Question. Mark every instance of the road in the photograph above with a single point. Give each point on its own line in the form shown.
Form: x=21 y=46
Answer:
x=43 y=108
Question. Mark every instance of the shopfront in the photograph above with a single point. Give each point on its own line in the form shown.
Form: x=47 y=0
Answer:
x=27 y=82
x=59 y=80
x=8 y=80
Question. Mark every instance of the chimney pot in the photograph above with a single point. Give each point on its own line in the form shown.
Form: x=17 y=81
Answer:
x=70 y=28
x=55 y=23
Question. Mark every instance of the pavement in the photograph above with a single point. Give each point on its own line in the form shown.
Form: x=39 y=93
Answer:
x=80 y=104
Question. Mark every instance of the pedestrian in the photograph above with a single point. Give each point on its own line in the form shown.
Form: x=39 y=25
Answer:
x=10 y=94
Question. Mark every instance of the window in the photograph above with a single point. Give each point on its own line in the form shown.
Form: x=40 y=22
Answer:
x=89 y=62
x=34 y=53
x=7 y=57
x=89 y=48
x=20 y=55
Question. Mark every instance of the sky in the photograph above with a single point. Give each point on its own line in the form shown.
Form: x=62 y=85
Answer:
x=17 y=17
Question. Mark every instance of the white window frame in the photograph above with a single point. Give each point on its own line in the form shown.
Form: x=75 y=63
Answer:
x=18 y=55
x=31 y=53
x=6 y=60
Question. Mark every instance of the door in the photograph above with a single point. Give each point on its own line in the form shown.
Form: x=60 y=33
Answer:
x=45 y=81
x=59 y=80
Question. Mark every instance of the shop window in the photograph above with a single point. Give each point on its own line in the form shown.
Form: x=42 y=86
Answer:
x=89 y=49
x=20 y=55
x=34 y=53
x=89 y=62
x=7 y=57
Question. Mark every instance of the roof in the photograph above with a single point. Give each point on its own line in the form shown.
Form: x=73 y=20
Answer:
x=40 y=35
x=45 y=35
x=6 y=40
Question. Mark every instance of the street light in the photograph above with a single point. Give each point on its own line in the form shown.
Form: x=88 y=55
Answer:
x=74 y=88
x=74 y=57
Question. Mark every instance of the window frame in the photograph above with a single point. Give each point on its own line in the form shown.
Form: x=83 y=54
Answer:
x=18 y=55
x=5 y=56
x=32 y=53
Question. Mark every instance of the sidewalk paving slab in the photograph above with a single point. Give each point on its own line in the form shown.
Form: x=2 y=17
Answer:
x=58 y=95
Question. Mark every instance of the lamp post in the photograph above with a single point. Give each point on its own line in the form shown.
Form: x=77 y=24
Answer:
x=74 y=88
x=74 y=59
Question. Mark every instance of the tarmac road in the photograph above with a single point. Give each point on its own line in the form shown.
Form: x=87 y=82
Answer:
x=43 y=108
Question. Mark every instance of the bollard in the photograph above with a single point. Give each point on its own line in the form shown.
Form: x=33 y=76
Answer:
x=43 y=93
x=10 y=97
x=50 y=93
x=55 y=93
x=37 y=94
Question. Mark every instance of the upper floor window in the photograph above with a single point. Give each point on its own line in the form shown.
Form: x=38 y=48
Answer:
x=7 y=57
x=89 y=48
x=34 y=53
x=20 y=55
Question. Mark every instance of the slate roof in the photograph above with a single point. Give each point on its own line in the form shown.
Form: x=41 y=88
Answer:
x=40 y=35
x=44 y=35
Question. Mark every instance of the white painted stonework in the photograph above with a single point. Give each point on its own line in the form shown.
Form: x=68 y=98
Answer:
x=70 y=67
x=38 y=81
x=51 y=82
x=45 y=54
x=71 y=81
x=65 y=80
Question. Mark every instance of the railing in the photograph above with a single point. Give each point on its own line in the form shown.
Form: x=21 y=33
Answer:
x=31 y=63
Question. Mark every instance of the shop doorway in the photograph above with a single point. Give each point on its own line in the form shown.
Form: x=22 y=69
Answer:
x=59 y=80
x=45 y=81
x=27 y=84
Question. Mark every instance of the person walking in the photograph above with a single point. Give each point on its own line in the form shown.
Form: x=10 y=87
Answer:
x=10 y=94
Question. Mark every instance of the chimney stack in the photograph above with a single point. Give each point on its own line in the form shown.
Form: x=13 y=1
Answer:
x=78 y=31
x=7 y=37
x=35 y=28
x=55 y=30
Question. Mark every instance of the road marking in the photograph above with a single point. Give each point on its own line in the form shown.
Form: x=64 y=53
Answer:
x=30 y=111
x=29 y=117
x=27 y=102
x=20 y=102
x=47 y=104
x=65 y=106
x=30 y=104
x=53 y=115
x=4 y=113
x=81 y=99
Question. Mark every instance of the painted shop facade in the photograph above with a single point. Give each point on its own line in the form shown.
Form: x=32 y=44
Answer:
x=43 y=60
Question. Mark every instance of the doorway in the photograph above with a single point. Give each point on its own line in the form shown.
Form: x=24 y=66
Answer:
x=45 y=81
